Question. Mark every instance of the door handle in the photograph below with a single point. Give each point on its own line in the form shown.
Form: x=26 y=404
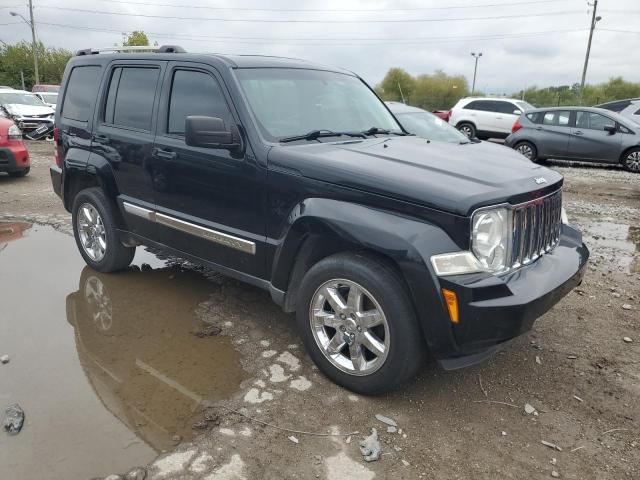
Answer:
x=101 y=139
x=166 y=154
x=498 y=118
x=578 y=133
x=538 y=128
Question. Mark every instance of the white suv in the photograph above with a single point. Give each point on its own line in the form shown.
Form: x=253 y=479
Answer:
x=487 y=117
x=629 y=108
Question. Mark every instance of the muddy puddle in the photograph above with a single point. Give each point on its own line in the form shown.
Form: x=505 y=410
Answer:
x=108 y=368
x=618 y=241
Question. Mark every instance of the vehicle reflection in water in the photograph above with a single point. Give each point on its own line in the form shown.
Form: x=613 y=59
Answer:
x=11 y=231
x=135 y=339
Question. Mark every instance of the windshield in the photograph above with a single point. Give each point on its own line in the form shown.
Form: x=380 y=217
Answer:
x=20 y=99
x=427 y=125
x=524 y=106
x=50 y=97
x=289 y=102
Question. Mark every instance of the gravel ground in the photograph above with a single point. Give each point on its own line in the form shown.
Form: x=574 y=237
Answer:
x=574 y=368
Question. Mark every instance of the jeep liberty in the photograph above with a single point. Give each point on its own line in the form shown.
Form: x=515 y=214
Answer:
x=295 y=177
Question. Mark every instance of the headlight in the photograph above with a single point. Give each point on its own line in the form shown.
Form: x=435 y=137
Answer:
x=490 y=238
x=14 y=133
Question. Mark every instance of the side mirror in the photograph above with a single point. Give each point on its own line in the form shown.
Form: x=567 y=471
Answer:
x=210 y=132
x=517 y=112
x=611 y=129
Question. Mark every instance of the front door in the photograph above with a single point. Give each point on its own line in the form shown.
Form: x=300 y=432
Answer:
x=590 y=141
x=209 y=202
x=124 y=136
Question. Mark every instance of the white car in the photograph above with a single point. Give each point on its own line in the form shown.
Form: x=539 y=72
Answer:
x=49 y=98
x=25 y=109
x=487 y=117
x=629 y=108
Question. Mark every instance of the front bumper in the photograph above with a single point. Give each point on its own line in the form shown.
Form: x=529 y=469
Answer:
x=28 y=124
x=496 y=309
x=14 y=158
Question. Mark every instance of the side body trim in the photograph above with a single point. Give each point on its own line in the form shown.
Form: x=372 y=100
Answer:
x=214 y=236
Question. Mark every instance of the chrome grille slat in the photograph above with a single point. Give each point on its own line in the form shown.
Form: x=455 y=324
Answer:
x=536 y=228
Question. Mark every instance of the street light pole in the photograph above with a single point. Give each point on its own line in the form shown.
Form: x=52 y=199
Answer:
x=34 y=46
x=594 y=20
x=475 y=70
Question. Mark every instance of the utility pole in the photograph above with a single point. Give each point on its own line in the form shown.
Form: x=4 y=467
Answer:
x=594 y=20
x=22 y=79
x=475 y=70
x=34 y=47
x=34 y=44
x=401 y=94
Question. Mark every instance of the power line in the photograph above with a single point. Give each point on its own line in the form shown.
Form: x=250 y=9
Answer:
x=343 y=41
x=263 y=20
x=318 y=10
x=618 y=31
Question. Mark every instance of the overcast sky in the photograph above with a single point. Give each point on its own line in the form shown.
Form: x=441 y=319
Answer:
x=534 y=43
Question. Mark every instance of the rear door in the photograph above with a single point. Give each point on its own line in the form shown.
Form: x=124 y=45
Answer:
x=590 y=141
x=505 y=117
x=124 y=136
x=210 y=201
x=554 y=132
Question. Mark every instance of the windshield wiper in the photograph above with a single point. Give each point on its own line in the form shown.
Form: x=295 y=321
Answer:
x=381 y=131
x=316 y=134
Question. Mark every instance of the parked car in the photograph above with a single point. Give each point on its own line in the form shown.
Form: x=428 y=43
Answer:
x=296 y=178
x=627 y=108
x=14 y=156
x=49 y=99
x=45 y=88
x=427 y=125
x=25 y=109
x=442 y=114
x=487 y=117
x=584 y=134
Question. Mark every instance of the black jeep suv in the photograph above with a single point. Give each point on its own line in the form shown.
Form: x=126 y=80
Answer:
x=296 y=178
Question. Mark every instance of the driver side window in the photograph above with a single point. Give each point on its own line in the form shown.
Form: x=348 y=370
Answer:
x=195 y=93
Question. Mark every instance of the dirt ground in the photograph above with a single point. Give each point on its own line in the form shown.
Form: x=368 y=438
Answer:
x=186 y=374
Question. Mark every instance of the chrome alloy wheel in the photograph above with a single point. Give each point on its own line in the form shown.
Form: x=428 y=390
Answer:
x=349 y=327
x=100 y=303
x=632 y=162
x=525 y=150
x=93 y=237
x=467 y=130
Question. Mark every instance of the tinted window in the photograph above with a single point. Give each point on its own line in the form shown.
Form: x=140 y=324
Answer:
x=81 y=92
x=535 y=117
x=637 y=112
x=195 y=93
x=506 y=107
x=616 y=106
x=133 y=104
x=592 y=121
x=558 y=118
x=472 y=105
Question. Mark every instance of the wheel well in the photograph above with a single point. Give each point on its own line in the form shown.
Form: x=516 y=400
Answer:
x=77 y=183
x=626 y=152
x=462 y=122
x=316 y=248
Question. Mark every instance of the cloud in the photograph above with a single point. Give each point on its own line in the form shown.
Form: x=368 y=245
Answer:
x=511 y=58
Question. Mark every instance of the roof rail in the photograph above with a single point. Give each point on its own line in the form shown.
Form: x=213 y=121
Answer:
x=153 y=49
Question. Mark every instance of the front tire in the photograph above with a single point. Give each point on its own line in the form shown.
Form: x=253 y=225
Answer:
x=358 y=323
x=94 y=228
x=527 y=150
x=631 y=160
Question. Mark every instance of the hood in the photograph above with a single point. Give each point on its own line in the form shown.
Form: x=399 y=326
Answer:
x=28 y=110
x=456 y=178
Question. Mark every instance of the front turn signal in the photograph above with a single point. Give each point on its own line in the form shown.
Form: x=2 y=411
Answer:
x=451 y=300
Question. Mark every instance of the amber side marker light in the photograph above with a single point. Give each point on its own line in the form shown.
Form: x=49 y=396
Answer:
x=452 y=305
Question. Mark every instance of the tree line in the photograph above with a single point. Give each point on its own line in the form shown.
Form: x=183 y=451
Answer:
x=440 y=91
x=18 y=58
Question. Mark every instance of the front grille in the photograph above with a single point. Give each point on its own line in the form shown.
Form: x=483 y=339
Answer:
x=536 y=228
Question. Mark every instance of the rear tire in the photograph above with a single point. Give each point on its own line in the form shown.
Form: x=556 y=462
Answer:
x=468 y=129
x=527 y=150
x=95 y=231
x=631 y=160
x=366 y=339
x=20 y=173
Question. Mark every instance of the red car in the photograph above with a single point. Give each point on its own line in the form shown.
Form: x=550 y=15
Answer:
x=42 y=88
x=443 y=114
x=14 y=156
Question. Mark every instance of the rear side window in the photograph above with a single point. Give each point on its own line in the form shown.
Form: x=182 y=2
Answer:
x=81 y=92
x=130 y=98
x=472 y=105
x=506 y=107
x=535 y=117
x=195 y=93
x=557 y=118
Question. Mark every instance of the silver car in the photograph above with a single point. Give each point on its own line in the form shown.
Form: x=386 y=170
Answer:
x=583 y=134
